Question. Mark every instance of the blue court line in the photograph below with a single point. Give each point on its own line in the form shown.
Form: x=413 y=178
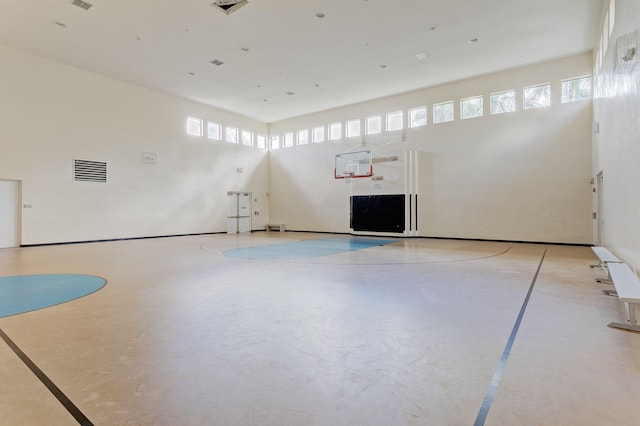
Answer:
x=305 y=249
x=25 y=293
x=497 y=376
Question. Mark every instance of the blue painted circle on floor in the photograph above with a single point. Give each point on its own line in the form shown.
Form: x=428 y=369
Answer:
x=25 y=293
x=306 y=249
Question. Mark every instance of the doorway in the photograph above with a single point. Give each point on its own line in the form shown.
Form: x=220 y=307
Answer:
x=238 y=212
x=10 y=226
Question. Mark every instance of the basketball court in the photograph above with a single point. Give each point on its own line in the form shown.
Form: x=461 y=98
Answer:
x=302 y=328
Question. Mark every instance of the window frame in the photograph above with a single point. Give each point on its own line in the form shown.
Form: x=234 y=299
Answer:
x=564 y=99
x=305 y=140
x=242 y=137
x=199 y=122
x=440 y=104
x=367 y=125
x=389 y=116
x=515 y=102
x=470 y=98
x=314 y=133
x=331 y=136
x=272 y=139
x=347 y=128
x=288 y=140
x=235 y=131
x=410 y=120
x=535 y=106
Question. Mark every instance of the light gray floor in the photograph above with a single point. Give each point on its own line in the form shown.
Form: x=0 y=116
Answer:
x=406 y=334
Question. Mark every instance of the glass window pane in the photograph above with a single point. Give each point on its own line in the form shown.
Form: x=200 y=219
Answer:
x=418 y=117
x=577 y=89
x=261 y=141
x=231 y=135
x=394 y=121
x=214 y=131
x=247 y=138
x=194 y=126
x=335 y=131
x=503 y=102
x=443 y=112
x=353 y=128
x=373 y=125
x=303 y=137
x=288 y=139
x=318 y=134
x=275 y=142
x=537 y=96
x=471 y=107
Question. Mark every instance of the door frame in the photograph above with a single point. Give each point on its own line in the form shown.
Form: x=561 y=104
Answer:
x=17 y=223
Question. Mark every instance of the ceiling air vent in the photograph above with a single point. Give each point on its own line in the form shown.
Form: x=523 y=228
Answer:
x=82 y=4
x=227 y=6
x=89 y=171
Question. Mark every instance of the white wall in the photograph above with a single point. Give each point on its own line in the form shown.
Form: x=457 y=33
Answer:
x=617 y=145
x=51 y=113
x=519 y=176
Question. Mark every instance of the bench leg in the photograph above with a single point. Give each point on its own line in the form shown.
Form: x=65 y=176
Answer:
x=610 y=292
x=629 y=327
x=633 y=323
x=604 y=281
x=632 y=313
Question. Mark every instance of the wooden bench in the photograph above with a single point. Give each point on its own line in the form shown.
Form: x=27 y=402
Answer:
x=604 y=257
x=277 y=227
x=628 y=291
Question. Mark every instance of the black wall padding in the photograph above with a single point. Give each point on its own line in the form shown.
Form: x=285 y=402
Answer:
x=377 y=213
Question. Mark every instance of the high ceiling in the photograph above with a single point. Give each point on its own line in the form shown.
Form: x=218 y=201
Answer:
x=359 y=50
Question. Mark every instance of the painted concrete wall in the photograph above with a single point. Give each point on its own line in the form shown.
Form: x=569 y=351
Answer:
x=616 y=146
x=518 y=176
x=51 y=113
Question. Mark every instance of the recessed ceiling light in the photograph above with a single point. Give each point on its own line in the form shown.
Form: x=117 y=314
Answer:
x=82 y=4
x=290 y=93
x=433 y=29
x=423 y=55
x=383 y=67
x=217 y=62
x=316 y=85
x=60 y=24
x=319 y=15
x=244 y=49
x=192 y=74
x=473 y=40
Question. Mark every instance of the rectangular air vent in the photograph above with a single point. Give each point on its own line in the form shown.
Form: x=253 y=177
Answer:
x=89 y=171
x=228 y=6
x=82 y=4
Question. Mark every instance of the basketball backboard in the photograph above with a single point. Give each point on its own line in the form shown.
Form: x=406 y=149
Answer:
x=353 y=165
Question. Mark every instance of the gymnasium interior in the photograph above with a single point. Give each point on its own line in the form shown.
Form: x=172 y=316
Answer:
x=363 y=212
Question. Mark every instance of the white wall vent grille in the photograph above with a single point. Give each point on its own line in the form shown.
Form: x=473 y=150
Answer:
x=82 y=4
x=626 y=53
x=89 y=171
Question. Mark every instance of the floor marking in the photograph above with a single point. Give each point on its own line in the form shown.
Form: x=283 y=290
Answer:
x=495 y=381
x=305 y=249
x=26 y=293
x=60 y=396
